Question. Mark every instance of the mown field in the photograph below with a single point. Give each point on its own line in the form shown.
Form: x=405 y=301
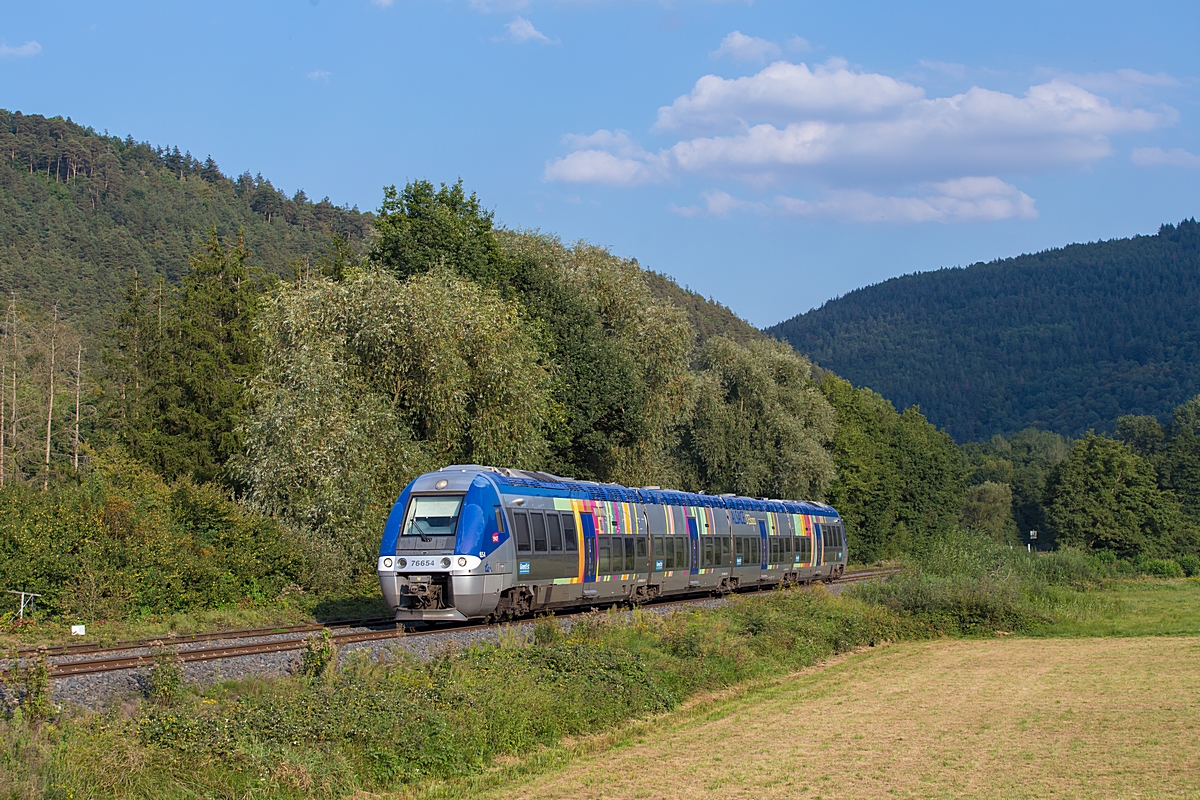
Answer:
x=1107 y=706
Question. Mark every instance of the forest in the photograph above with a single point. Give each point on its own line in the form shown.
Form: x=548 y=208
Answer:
x=226 y=412
x=1066 y=340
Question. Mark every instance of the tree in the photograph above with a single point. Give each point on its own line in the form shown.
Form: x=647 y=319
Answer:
x=369 y=382
x=988 y=507
x=420 y=228
x=1106 y=497
x=761 y=427
x=185 y=419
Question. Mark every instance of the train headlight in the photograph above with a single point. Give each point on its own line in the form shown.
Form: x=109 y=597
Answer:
x=402 y=563
x=462 y=562
x=387 y=563
x=445 y=563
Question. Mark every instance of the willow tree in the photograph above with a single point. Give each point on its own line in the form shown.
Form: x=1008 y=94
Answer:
x=369 y=381
x=761 y=427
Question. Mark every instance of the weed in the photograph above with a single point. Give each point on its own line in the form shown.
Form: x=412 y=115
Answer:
x=166 y=677
x=319 y=656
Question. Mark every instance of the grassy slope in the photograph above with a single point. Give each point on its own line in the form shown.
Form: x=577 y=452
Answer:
x=1012 y=717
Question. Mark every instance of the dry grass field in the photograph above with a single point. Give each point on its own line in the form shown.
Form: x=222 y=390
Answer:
x=1009 y=717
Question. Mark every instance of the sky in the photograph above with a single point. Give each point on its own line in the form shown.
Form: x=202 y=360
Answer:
x=771 y=155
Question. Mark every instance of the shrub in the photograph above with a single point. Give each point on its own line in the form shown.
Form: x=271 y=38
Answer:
x=1190 y=564
x=1160 y=568
x=319 y=655
x=166 y=678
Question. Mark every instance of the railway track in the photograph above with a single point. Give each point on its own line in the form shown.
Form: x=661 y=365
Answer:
x=343 y=633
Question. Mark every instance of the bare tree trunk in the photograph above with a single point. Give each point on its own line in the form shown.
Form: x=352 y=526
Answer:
x=13 y=410
x=78 y=381
x=50 y=403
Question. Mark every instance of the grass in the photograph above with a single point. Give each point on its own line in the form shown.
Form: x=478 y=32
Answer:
x=1021 y=717
x=295 y=609
x=1133 y=608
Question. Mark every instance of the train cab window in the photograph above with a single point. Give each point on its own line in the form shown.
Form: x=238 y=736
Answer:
x=521 y=526
x=570 y=538
x=554 y=529
x=538 y=523
x=604 y=563
x=499 y=518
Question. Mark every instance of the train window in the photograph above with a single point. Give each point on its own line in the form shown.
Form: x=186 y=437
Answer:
x=641 y=547
x=680 y=521
x=554 y=529
x=773 y=558
x=739 y=555
x=707 y=553
x=499 y=518
x=570 y=539
x=537 y=523
x=629 y=562
x=726 y=550
x=673 y=554
x=756 y=548
x=604 y=566
x=660 y=551
x=521 y=526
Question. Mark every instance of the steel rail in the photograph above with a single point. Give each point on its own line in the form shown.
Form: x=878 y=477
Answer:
x=112 y=664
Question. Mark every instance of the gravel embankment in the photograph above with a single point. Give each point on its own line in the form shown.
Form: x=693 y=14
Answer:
x=100 y=689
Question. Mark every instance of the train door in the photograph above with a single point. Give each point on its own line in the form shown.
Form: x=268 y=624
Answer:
x=764 y=545
x=818 y=545
x=588 y=523
x=693 y=533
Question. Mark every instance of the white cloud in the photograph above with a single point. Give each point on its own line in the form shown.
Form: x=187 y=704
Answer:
x=963 y=200
x=947 y=68
x=798 y=44
x=521 y=30
x=383 y=3
x=319 y=75
x=741 y=47
x=30 y=48
x=782 y=93
x=1123 y=80
x=880 y=148
x=1157 y=157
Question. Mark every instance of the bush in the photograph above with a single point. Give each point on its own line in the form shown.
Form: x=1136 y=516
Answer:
x=166 y=678
x=123 y=543
x=1160 y=568
x=1190 y=564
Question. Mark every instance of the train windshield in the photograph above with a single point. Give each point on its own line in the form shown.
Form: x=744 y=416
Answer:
x=432 y=516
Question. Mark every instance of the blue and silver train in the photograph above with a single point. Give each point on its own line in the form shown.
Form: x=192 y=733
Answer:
x=473 y=542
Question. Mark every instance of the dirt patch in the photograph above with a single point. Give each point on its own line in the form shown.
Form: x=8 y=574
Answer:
x=1011 y=717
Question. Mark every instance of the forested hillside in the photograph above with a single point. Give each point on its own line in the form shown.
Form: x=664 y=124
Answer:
x=1065 y=340
x=80 y=211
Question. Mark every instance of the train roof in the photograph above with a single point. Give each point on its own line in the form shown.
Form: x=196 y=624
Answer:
x=543 y=482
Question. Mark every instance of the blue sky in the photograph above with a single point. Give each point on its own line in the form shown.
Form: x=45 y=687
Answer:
x=769 y=154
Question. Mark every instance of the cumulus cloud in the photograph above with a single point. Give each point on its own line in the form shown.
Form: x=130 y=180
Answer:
x=865 y=137
x=798 y=44
x=521 y=30
x=740 y=47
x=30 y=48
x=1157 y=157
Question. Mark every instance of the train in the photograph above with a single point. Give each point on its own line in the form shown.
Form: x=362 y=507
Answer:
x=472 y=542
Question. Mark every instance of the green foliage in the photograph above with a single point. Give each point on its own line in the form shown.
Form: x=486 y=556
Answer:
x=761 y=428
x=421 y=228
x=1106 y=497
x=899 y=480
x=369 y=382
x=1190 y=564
x=181 y=363
x=33 y=688
x=987 y=507
x=318 y=659
x=399 y=727
x=1026 y=462
x=166 y=678
x=998 y=347
x=123 y=543
x=1160 y=568
x=80 y=211
x=708 y=317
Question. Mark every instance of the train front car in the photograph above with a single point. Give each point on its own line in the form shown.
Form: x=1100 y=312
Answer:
x=446 y=552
